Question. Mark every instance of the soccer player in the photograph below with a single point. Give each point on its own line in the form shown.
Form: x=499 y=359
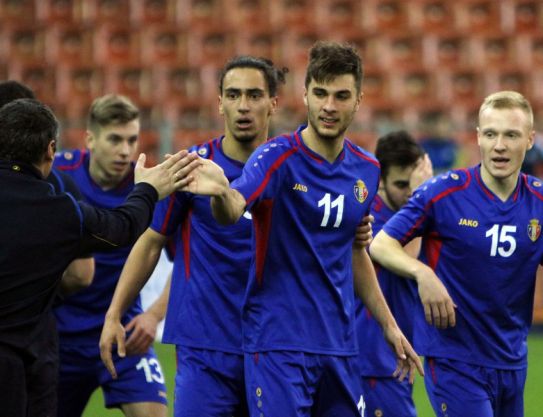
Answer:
x=307 y=191
x=404 y=166
x=211 y=263
x=105 y=175
x=481 y=246
x=40 y=234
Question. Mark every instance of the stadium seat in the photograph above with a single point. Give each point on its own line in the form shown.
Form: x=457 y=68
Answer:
x=22 y=43
x=431 y=16
x=337 y=15
x=116 y=45
x=17 y=12
x=261 y=41
x=210 y=46
x=528 y=16
x=101 y=12
x=59 y=11
x=133 y=81
x=446 y=51
x=478 y=16
x=292 y=14
x=247 y=14
x=200 y=14
x=69 y=44
x=164 y=45
x=146 y=12
x=39 y=76
x=295 y=44
x=384 y=16
x=401 y=51
x=176 y=83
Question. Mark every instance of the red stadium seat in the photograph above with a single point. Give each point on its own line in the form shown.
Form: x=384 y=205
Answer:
x=164 y=45
x=59 y=11
x=384 y=16
x=116 y=45
x=70 y=44
x=133 y=81
x=292 y=14
x=101 y=12
x=22 y=43
x=432 y=16
x=17 y=12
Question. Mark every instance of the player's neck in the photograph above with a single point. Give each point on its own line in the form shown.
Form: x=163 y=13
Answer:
x=102 y=179
x=501 y=187
x=237 y=150
x=328 y=148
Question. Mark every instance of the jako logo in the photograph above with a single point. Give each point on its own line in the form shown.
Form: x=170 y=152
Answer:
x=468 y=222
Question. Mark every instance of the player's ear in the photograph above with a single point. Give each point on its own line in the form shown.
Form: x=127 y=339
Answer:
x=273 y=105
x=305 y=96
x=89 y=139
x=221 y=110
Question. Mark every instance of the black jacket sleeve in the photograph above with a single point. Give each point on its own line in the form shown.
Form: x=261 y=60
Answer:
x=105 y=229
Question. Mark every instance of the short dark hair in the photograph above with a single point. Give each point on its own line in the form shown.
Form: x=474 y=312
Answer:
x=111 y=109
x=328 y=60
x=273 y=76
x=26 y=129
x=12 y=90
x=397 y=149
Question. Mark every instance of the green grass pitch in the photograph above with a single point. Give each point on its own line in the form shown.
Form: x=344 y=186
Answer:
x=533 y=393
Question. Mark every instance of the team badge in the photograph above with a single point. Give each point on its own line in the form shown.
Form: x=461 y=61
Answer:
x=454 y=176
x=536 y=184
x=360 y=191
x=534 y=230
x=202 y=151
x=68 y=156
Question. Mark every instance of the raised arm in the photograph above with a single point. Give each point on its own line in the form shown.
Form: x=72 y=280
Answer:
x=438 y=305
x=108 y=229
x=138 y=268
x=367 y=288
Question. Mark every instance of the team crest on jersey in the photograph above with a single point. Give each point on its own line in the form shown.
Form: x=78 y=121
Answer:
x=360 y=191
x=202 y=151
x=68 y=156
x=454 y=176
x=536 y=184
x=534 y=230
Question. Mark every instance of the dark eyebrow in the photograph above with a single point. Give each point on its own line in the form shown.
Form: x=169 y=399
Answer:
x=255 y=90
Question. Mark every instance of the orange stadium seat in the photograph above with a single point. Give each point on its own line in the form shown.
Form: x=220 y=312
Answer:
x=59 y=11
x=384 y=16
x=116 y=45
x=179 y=83
x=198 y=14
x=133 y=81
x=292 y=14
x=70 y=44
x=338 y=15
x=17 y=11
x=447 y=51
x=479 y=16
x=164 y=45
x=106 y=11
x=212 y=46
x=261 y=41
x=431 y=16
x=401 y=51
x=528 y=16
x=40 y=77
x=247 y=14
x=22 y=43
x=77 y=87
x=146 y=12
x=295 y=45
x=376 y=87
x=149 y=144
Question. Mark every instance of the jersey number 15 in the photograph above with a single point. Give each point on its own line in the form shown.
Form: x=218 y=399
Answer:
x=503 y=243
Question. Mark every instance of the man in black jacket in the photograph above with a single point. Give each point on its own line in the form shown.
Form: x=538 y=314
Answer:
x=41 y=233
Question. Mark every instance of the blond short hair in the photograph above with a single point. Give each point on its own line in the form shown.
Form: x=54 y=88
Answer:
x=508 y=100
x=111 y=109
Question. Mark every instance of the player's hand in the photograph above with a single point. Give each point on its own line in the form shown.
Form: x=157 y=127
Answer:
x=438 y=304
x=112 y=333
x=423 y=172
x=364 y=232
x=169 y=176
x=207 y=178
x=408 y=362
x=143 y=328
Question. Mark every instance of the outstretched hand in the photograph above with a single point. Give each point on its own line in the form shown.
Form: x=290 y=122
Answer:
x=423 y=172
x=206 y=178
x=168 y=176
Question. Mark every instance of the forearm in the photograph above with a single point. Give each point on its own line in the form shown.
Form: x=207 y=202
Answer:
x=136 y=272
x=367 y=288
x=390 y=254
x=228 y=207
x=78 y=275
x=159 y=307
x=108 y=229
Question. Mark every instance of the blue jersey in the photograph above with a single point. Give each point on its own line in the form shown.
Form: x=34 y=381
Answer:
x=486 y=252
x=376 y=356
x=305 y=212
x=211 y=265
x=81 y=317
